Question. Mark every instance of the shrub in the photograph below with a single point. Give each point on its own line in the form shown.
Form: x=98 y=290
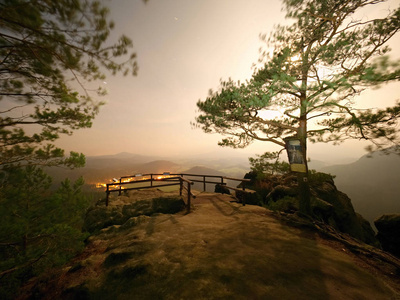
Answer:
x=38 y=229
x=268 y=164
x=316 y=178
x=285 y=204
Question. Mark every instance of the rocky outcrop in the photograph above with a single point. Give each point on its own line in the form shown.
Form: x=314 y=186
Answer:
x=280 y=192
x=220 y=250
x=124 y=210
x=389 y=233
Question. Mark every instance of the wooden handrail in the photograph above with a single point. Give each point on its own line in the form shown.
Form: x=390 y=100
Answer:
x=184 y=179
x=237 y=179
x=179 y=178
x=145 y=180
x=199 y=175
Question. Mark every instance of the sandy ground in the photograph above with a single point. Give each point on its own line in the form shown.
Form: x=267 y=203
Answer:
x=221 y=250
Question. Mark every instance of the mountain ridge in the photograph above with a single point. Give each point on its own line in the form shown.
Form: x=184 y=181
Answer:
x=371 y=182
x=103 y=168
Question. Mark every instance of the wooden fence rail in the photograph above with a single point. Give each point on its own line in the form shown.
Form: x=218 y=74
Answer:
x=171 y=179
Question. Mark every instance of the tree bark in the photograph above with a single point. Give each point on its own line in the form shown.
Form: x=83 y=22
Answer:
x=302 y=178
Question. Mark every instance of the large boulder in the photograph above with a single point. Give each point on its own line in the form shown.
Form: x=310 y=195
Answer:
x=389 y=233
x=342 y=217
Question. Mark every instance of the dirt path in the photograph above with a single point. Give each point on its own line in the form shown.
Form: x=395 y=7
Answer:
x=221 y=250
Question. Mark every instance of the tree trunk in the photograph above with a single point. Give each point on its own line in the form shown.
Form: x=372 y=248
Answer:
x=302 y=178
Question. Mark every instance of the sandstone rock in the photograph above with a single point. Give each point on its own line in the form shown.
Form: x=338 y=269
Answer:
x=120 y=212
x=328 y=204
x=280 y=192
x=322 y=208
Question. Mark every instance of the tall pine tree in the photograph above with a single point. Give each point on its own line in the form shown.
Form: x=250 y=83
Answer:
x=317 y=68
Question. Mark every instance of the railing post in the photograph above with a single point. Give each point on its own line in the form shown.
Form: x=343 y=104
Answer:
x=107 y=194
x=120 y=186
x=189 y=194
x=204 y=183
x=151 y=179
x=180 y=186
x=244 y=194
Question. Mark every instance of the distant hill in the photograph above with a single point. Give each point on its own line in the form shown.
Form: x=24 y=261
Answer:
x=103 y=168
x=202 y=170
x=100 y=169
x=372 y=183
x=158 y=166
x=316 y=164
x=118 y=160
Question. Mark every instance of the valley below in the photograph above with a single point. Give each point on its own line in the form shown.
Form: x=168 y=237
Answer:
x=371 y=182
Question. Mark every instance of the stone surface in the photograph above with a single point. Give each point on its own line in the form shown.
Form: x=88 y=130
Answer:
x=280 y=192
x=123 y=208
x=221 y=250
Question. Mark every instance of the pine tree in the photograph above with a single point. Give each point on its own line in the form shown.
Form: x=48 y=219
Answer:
x=317 y=67
x=39 y=229
x=52 y=53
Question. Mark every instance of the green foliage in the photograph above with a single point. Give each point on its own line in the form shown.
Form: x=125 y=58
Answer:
x=307 y=84
x=315 y=177
x=268 y=164
x=38 y=229
x=52 y=53
x=286 y=204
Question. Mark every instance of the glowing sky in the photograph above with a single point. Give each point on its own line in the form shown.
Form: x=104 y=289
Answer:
x=184 y=48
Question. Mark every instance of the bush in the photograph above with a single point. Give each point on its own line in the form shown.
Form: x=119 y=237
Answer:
x=315 y=178
x=268 y=164
x=38 y=229
x=286 y=204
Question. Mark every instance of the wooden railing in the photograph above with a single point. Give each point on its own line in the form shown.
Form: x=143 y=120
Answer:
x=172 y=179
x=176 y=180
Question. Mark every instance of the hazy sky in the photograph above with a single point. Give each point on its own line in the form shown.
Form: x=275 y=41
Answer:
x=184 y=48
